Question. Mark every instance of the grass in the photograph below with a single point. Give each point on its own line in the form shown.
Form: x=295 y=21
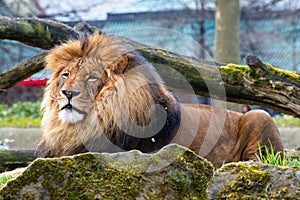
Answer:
x=21 y=114
x=4 y=179
x=23 y=122
x=276 y=159
x=286 y=120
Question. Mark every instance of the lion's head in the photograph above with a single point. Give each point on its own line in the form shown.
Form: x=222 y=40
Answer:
x=98 y=88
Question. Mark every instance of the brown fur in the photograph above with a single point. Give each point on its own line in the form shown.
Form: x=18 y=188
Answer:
x=113 y=91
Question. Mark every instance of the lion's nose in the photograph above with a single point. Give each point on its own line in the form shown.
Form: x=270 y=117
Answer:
x=69 y=93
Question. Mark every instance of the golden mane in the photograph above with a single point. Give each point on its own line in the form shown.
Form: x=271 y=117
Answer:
x=81 y=48
x=128 y=83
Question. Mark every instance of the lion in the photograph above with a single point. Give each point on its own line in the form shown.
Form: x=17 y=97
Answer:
x=102 y=97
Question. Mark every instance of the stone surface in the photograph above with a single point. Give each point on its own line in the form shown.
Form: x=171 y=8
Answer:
x=172 y=173
x=253 y=180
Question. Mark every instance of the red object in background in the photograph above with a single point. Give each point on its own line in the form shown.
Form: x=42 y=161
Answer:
x=33 y=82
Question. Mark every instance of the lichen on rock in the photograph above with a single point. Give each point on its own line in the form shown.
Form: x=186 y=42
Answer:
x=253 y=180
x=172 y=173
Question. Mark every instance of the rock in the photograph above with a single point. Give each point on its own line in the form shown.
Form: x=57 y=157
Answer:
x=293 y=153
x=172 y=173
x=253 y=180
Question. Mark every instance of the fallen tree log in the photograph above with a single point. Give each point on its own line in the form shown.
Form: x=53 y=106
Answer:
x=35 y=32
x=11 y=159
x=257 y=84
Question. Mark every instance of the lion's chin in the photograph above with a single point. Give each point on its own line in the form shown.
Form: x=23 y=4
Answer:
x=70 y=116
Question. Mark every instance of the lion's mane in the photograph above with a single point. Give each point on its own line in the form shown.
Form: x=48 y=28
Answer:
x=122 y=103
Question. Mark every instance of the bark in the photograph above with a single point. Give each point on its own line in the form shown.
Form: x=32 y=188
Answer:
x=35 y=32
x=258 y=83
x=20 y=72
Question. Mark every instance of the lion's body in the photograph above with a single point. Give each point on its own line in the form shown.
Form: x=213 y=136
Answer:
x=102 y=98
x=227 y=136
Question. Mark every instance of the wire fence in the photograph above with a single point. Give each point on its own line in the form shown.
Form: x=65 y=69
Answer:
x=273 y=36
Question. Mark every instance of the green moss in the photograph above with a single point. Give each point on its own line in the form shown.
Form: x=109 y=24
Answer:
x=3 y=29
x=27 y=29
x=237 y=71
x=284 y=73
x=110 y=176
x=256 y=181
x=190 y=185
x=43 y=31
x=234 y=71
x=40 y=29
x=48 y=34
x=161 y=52
x=64 y=180
x=250 y=180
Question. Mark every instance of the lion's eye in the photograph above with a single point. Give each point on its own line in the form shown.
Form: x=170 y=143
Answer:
x=65 y=75
x=92 y=79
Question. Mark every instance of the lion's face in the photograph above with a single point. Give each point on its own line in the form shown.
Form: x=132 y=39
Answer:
x=101 y=93
x=78 y=85
x=81 y=75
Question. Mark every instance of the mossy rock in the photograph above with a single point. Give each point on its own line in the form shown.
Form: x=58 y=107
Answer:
x=253 y=180
x=172 y=173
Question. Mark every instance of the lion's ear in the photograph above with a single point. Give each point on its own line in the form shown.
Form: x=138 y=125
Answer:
x=118 y=66
x=121 y=64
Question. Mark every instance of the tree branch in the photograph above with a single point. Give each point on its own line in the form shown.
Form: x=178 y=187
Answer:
x=22 y=71
x=259 y=83
x=256 y=84
x=35 y=32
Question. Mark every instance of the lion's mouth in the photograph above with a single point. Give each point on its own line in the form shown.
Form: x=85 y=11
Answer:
x=69 y=108
x=71 y=114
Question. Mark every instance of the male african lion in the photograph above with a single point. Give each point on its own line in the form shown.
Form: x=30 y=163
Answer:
x=101 y=97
